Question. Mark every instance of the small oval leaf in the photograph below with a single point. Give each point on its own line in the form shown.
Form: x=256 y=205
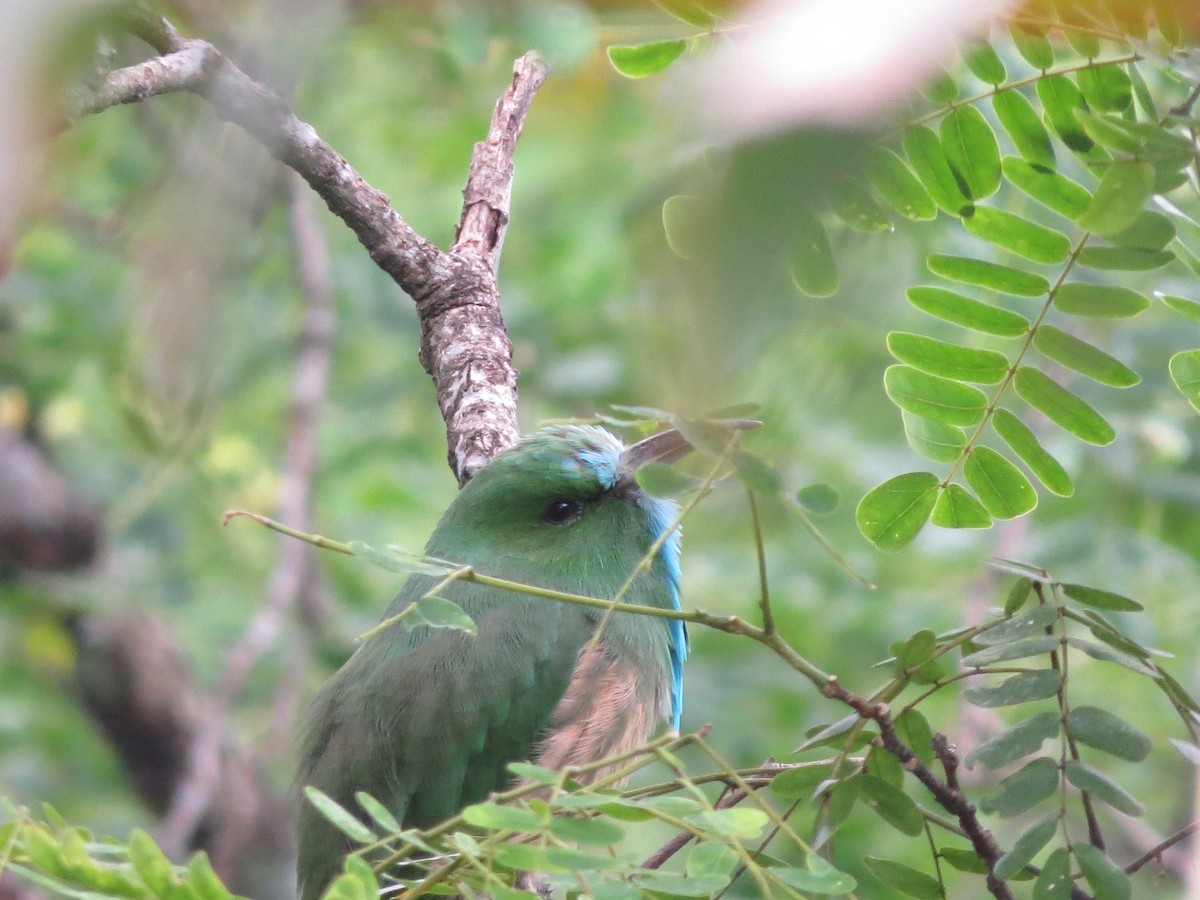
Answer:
x=895 y=181
x=1104 y=731
x=1123 y=259
x=1119 y=198
x=1024 y=789
x=1024 y=128
x=905 y=879
x=1080 y=298
x=939 y=399
x=947 y=360
x=1019 y=649
x=684 y=217
x=1062 y=407
x=1020 y=688
x=967 y=312
x=928 y=160
x=1185 y=373
x=1108 y=880
x=1002 y=488
x=1025 y=445
x=1018 y=235
x=1020 y=740
x=934 y=440
x=810 y=263
x=1052 y=190
x=1101 y=787
x=972 y=151
x=1026 y=847
x=984 y=63
x=1054 y=881
x=957 y=508
x=1082 y=357
x=1189 y=309
x=1099 y=599
x=640 y=60
x=892 y=805
x=1061 y=99
x=893 y=513
x=1004 y=279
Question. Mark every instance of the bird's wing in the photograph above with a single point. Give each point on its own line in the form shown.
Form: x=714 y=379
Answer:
x=427 y=720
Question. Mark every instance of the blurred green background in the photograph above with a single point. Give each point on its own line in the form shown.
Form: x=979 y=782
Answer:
x=148 y=320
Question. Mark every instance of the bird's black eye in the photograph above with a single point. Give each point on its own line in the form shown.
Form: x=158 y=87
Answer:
x=560 y=512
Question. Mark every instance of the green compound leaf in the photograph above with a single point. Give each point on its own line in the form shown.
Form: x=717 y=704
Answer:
x=948 y=360
x=1004 y=279
x=1052 y=190
x=1108 y=880
x=893 y=513
x=1099 y=599
x=1083 y=358
x=1024 y=789
x=1026 y=847
x=1004 y=491
x=1119 y=198
x=984 y=64
x=640 y=60
x=1123 y=259
x=1104 y=731
x=1024 y=128
x=1185 y=373
x=1019 y=649
x=929 y=162
x=853 y=204
x=685 y=218
x=810 y=263
x=1060 y=99
x=891 y=804
x=1020 y=688
x=1062 y=407
x=1018 y=235
x=939 y=399
x=1026 y=446
x=957 y=508
x=1020 y=740
x=905 y=879
x=1149 y=231
x=972 y=151
x=1105 y=88
x=1189 y=309
x=967 y=312
x=1054 y=881
x=1100 y=786
x=897 y=184
x=1101 y=301
x=1033 y=45
x=933 y=440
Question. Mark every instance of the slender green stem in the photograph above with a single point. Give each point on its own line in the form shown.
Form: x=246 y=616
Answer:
x=1011 y=85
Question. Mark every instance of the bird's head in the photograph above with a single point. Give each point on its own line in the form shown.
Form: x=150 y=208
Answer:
x=566 y=496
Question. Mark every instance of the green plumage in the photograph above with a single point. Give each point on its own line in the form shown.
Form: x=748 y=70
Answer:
x=426 y=720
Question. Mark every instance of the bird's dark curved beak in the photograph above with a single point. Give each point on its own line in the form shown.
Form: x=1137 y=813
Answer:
x=666 y=447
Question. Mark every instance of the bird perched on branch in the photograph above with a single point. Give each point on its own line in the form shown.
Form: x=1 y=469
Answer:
x=426 y=720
